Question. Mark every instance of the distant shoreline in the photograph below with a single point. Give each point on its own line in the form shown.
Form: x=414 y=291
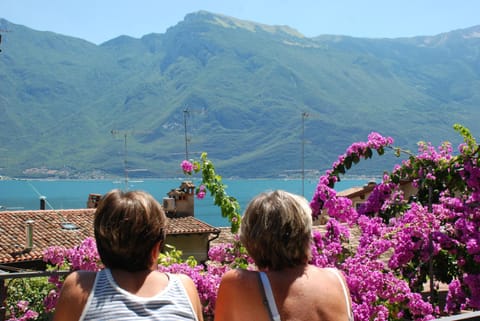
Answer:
x=136 y=179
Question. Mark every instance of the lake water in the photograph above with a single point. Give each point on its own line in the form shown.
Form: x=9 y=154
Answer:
x=72 y=194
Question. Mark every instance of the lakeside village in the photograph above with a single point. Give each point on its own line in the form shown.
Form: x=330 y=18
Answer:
x=64 y=173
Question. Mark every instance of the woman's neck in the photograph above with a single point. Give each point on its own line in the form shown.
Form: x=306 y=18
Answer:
x=143 y=283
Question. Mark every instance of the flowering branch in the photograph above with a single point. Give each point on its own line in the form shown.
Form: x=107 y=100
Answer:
x=324 y=192
x=213 y=183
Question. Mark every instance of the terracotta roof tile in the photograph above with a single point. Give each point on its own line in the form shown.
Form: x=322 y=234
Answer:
x=189 y=225
x=48 y=231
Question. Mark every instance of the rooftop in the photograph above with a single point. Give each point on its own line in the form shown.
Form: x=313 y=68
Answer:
x=67 y=228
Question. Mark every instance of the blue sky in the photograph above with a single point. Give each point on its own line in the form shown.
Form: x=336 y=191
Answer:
x=101 y=20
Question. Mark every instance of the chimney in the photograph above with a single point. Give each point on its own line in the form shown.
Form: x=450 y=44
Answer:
x=169 y=204
x=93 y=200
x=29 y=234
x=43 y=201
x=180 y=201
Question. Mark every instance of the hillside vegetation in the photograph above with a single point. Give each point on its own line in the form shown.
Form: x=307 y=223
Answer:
x=70 y=108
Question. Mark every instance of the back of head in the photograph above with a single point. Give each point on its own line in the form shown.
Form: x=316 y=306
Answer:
x=127 y=226
x=276 y=230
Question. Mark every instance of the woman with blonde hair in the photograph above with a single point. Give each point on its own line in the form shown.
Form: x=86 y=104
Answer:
x=276 y=230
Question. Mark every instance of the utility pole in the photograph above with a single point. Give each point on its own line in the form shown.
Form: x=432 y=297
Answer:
x=304 y=116
x=186 y=113
x=125 y=168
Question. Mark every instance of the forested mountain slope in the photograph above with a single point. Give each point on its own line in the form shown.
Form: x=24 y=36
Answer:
x=68 y=107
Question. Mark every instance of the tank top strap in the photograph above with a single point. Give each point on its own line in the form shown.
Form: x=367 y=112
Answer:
x=345 y=292
x=267 y=290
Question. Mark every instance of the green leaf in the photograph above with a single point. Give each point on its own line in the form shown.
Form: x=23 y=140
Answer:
x=355 y=159
x=395 y=179
x=397 y=151
x=368 y=153
x=348 y=162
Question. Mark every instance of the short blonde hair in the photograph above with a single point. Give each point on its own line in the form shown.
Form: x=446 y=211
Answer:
x=276 y=230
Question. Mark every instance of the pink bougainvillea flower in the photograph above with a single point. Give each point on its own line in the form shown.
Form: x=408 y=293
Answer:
x=187 y=167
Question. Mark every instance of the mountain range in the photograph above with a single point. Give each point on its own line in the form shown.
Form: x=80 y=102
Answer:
x=261 y=100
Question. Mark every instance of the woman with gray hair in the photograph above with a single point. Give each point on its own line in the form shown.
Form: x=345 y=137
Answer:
x=276 y=230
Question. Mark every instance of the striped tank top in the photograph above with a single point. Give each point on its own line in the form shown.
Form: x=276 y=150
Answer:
x=107 y=301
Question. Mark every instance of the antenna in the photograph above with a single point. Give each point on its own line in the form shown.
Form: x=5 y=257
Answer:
x=305 y=115
x=186 y=114
x=125 y=134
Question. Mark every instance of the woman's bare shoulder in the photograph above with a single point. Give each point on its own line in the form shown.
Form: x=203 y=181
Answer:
x=188 y=284
x=330 y=293
x=83 y=280
x=239 y=297
x=326 y=272
x=186 y=280
x=192 y=293
x=74 y=295
x=240 y=280
x=78 y=285
x=239 y=275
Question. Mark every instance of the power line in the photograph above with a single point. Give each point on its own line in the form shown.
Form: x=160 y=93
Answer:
x=65 y=224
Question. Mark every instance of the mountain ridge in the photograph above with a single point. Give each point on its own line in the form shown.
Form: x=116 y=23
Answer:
x=240 y=92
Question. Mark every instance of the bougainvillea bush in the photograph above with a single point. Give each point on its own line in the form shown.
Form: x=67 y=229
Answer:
x=407 y=243
x=429 y=238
